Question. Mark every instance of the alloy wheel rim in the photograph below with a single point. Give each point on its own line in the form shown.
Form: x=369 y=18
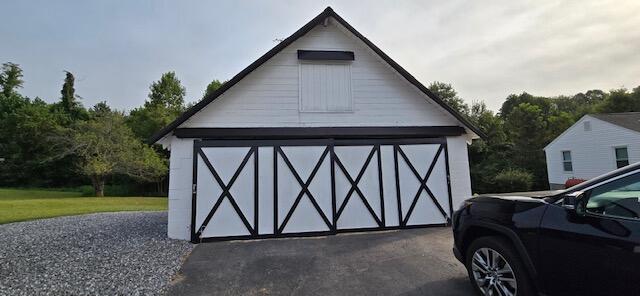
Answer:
x=493 y=274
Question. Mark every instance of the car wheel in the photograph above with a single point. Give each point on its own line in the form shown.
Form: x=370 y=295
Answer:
x=495 y=268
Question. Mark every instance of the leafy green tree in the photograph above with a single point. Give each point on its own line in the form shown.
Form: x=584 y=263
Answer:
x=167 y=92
x=636 y=92
x=165 y=103
x=27 y=132
x=527 y=130
x=27 y=126
x=525 y=124
x=591 y=97
x=449 y=95
x=491 y=156
x=212 y=87
x=10 y=78
x=105 y=147
x=620 y=100
x=513 y=101
x=100 y=108
x=10 y=99
x=557 y=124
x=146 y=121
x=572 y=105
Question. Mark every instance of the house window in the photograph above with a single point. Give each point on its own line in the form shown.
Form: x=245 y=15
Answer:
x=587 y=126
x=622 y=157
x=567 y=165
x=325 y=87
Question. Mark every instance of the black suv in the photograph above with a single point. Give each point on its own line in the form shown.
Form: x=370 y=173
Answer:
x=581 y=241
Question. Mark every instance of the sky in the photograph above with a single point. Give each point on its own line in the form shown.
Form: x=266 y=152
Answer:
x=485 y=49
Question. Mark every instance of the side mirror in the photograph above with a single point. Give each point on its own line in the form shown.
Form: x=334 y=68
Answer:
x=574 y=201
x=569 y=202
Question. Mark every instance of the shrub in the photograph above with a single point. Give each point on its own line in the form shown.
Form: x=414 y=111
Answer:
x=513 y=180
x=573 y=182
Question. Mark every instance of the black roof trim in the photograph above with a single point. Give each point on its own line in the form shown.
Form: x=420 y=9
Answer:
x=326 y=55
x=328 y=12
x=320 y=132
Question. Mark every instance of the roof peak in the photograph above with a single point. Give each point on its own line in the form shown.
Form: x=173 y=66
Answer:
x=319 y=19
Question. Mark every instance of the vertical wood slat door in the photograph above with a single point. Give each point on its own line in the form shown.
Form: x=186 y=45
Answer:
x=253 y=189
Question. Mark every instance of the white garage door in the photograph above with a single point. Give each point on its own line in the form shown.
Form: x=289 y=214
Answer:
x=250 y=189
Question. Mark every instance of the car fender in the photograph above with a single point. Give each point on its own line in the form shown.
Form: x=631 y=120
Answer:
x=513 y=237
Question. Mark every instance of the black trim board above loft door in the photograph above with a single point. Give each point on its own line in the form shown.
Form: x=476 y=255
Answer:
x=325 y=55
x=319 y=132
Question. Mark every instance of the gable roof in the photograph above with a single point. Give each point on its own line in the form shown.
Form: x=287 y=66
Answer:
x=628 y=120
x=328 y=12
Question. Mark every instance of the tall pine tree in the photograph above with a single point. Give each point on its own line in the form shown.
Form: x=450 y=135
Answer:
x=69 y=103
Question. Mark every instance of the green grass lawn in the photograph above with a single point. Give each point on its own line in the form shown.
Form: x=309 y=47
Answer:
x=28 y=204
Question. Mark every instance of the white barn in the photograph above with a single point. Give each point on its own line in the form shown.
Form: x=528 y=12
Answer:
x=323 y=134
x=594 y=145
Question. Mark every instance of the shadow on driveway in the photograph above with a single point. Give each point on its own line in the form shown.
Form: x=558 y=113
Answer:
x=404 y=262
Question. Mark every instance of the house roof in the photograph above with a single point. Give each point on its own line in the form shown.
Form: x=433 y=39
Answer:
x=628 y=120
x=328 y=12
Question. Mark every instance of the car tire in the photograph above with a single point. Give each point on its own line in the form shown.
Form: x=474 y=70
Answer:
x=507 y=272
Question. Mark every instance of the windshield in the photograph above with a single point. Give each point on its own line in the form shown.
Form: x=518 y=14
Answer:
x=617 y=198
x=599 y=179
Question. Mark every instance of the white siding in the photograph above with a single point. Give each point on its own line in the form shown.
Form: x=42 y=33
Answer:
x=268 y=97
x=180 y=180
x=459 y=174
x=592 y=152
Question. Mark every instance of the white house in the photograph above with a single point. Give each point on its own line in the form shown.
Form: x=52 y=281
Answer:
x=323 y=134
x=594 y=145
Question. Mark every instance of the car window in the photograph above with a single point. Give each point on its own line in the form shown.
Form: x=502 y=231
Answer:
x=618 y=198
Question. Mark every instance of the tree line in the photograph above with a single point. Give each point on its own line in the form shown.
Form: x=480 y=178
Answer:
x=64 y=144
x=511 y=158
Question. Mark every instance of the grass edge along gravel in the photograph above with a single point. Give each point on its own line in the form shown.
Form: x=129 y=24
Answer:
x=18 y=205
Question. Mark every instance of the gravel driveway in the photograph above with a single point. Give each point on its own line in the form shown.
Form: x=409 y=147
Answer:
x=109 y=253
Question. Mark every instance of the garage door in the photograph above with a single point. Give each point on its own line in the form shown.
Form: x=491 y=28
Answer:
x=252 y=189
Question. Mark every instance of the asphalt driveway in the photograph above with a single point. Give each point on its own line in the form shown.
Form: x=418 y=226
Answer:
x=405 y=262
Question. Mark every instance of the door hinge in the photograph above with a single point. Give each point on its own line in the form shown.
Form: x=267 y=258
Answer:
x=194 y=188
